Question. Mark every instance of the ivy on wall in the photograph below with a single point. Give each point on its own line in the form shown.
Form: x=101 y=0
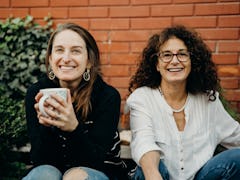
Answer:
x=23 y=46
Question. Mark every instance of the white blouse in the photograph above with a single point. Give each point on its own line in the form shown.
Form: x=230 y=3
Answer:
x=184 y=153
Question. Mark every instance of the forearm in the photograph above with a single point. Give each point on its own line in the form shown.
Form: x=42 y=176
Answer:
x=150 y=163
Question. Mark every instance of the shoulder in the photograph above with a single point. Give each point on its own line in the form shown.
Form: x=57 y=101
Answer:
x=142 y=97
x=142 y=92
x=201 y=101
x=102 y=90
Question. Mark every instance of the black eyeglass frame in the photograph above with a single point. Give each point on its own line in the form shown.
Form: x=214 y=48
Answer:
x=175 y=54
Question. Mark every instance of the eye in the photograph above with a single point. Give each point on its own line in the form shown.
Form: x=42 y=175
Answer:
x=166 y=55
x=76 y=51
x=183 y=54
x=58 y=50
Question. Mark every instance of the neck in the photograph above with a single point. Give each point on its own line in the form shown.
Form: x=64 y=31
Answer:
x=175 y=96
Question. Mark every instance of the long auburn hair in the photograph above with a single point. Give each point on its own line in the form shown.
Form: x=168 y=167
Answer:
x=82 y=95
x=203 y=77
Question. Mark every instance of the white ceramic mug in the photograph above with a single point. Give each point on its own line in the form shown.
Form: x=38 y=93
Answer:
x=46 y=94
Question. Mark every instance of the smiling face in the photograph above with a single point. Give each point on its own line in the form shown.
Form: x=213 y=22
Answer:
x=69 y=57
x=174 y=71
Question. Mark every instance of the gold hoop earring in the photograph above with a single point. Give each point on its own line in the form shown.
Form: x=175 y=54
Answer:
x=86 y=75
x=51 y=75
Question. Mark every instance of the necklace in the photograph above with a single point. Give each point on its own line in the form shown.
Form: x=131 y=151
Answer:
x=174 y=110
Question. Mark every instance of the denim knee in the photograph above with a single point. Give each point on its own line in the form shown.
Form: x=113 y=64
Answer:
x=92 y=174
x=225 y=165
x=44 y=172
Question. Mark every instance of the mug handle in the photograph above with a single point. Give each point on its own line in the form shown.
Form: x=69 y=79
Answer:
x=41 y=104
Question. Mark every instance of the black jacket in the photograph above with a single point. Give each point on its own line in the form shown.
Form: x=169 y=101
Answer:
x=94 y=143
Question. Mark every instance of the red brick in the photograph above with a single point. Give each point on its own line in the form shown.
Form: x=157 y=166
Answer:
x=129 y=35
x=120 y=82
x=211 y=45
x=123 y=92
x=108 y=2
x=229 y=21
x=54 y=12
x=147 y=2
x=129 y=11
x=108 y=24
x=85 y=12
x=104 y=58
x=209 y=21
x=115 y=70
x=123 y=59
x=212 y=9
x=101 y=36
x=229 y=83
x=137 y=47
x=5 y=3
x=81 y=22
x=107 y=47
x=172 y=10
x=15 y=12
x=225 y=58
x=229 y=46
x=220 y=34
x=150 y=23
x=193 y=1
x=232 y=95
x=225 y=71
x=29 y=3
x=228 y=0
x=71 y=3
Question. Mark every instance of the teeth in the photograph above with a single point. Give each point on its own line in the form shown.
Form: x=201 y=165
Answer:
x=66 y=67
x=175 y=69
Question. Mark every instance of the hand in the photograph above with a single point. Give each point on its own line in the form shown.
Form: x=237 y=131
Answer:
x=60 y=112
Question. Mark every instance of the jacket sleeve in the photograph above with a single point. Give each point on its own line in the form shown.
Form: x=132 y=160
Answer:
x=41 y=137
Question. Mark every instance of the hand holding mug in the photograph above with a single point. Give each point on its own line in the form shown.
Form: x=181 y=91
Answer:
x=62 y=92
x=60 y=112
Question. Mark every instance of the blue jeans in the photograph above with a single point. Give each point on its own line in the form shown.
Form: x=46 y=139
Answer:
x=162 y=169
x=48 y=172
x=224 y=166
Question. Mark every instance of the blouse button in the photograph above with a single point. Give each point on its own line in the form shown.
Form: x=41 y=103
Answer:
x=182 y=168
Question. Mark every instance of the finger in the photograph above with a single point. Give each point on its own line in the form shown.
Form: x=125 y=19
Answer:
x=58 y=98
x=51 y=122
x=69 y=97
x=36 y=106
x=38 y=96
x=43 y=122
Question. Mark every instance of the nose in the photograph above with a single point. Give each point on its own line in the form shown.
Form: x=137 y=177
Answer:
x=175 y=59
x=66 y=57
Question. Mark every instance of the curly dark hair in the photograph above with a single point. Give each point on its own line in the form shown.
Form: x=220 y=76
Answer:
x=203 y=77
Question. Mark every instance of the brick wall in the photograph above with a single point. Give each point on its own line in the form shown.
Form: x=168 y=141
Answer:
x=122 y=27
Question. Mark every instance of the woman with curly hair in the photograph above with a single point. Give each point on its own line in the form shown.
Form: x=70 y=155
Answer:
x=176 y=116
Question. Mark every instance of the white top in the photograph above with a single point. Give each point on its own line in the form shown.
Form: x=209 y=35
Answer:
x=153 y=128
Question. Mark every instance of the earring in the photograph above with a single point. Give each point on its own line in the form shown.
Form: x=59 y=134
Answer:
x=51 y=75
x=86 y=75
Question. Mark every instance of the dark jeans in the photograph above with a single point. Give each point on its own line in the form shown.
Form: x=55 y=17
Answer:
x=223 y=166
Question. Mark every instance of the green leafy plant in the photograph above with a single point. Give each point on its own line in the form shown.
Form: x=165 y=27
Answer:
x=22 y=52
x=23 y=46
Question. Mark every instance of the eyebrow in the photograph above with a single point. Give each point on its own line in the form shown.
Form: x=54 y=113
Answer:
x=177 y=50
x=60 y=46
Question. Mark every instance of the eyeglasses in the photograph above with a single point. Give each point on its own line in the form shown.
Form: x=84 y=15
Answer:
x=167 y=56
